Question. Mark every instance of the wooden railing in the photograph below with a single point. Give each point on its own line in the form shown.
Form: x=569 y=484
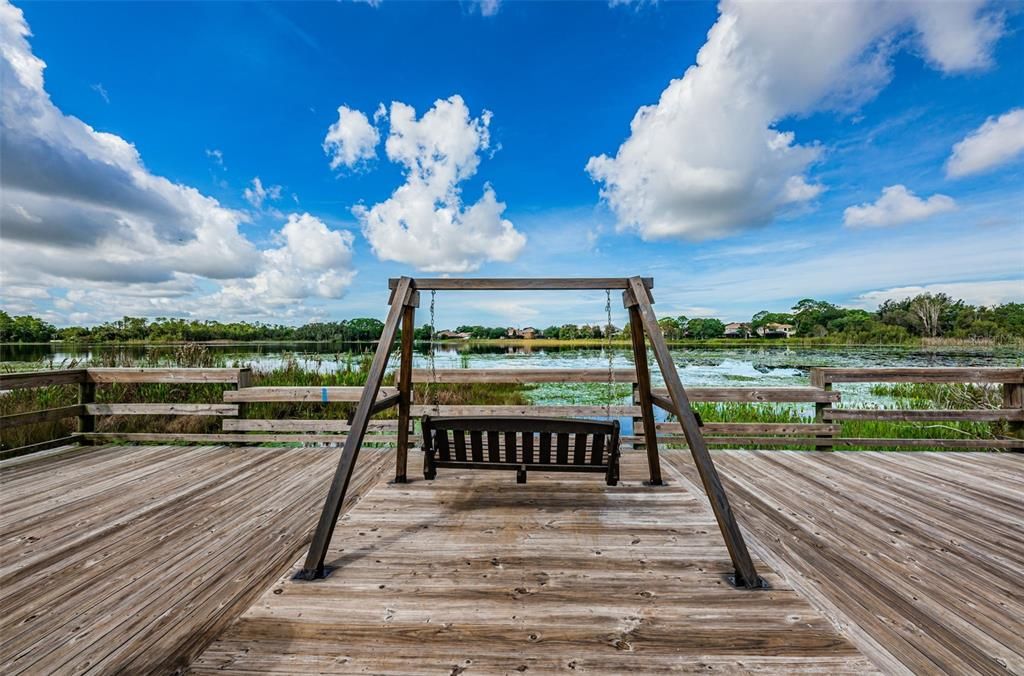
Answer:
x=825 y=432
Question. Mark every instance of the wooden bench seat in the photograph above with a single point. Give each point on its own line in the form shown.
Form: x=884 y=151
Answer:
x=521 y=443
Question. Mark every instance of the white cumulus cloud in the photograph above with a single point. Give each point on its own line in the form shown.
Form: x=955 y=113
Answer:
x=80 y=211
x=352 y=139
x=988 y=292
x=256 y=194
x=311 y=261
x=996 y=142
x=708 y=159
x=895 y=206
x=425 y=223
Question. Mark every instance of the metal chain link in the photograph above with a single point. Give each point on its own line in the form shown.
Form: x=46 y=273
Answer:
x=608 y=351
x=431 y=394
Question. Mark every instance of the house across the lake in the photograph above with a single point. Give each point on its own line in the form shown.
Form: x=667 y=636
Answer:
x=448 y=334
x=737 y=330
x=773 y=330
x=527 y=333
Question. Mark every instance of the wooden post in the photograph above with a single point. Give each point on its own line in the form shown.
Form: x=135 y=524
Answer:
x=405 y=391
x=86 y=395
x=244 y=380
x=643 y=389
x=818 y=380
x=314 y=566
x=1013 y=398
x=746 y=575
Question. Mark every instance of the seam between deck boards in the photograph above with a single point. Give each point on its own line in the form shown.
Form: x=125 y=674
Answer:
x=878 y=654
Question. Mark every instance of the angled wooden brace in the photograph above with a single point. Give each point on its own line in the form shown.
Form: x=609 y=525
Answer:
x=403 y=296
x=636 y=298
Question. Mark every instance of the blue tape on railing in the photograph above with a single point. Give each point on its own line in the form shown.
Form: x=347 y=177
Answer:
x=323 y=394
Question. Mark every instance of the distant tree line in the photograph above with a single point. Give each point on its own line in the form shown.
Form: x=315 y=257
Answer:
x=923 y=316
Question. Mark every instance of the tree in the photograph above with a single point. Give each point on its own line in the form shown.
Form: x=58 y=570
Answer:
x=928 y=309
x=811 y=317
x=705 y=329
x=671 y=327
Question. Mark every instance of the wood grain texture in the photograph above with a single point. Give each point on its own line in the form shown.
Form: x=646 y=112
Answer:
x=929 y=374
x=916 y=555
x=925 y=415
x=522 y=375
x=16 y=381
x=312 y=394
x=475 y=574
x=519 y=283
x=545 y=411
x=164 y=375
x=46 y=415
x=161 y=409
x=131 y=559
x=757 y=394
x=254 y=438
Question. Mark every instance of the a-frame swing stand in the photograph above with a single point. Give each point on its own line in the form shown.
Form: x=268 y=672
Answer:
x=643 y=327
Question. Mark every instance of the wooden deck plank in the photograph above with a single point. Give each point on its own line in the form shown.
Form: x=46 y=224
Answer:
x=133 y=559
x=915 y=554
x=475 y=572
x=142 y=554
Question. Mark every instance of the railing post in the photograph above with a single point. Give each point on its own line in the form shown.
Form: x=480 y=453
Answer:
x=1013 y=398
x=405 y=387
x=642 y=391
x=86 y=396
x=244 y=380
x=637 y=420
x=819 y=380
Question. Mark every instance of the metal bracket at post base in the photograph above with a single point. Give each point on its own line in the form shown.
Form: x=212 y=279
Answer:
x=308 y=575
x=736 y=580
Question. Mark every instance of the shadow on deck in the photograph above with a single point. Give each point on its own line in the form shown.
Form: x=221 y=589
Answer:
x=137 y=559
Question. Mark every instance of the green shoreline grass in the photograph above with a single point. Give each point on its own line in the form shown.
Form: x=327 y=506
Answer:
x=352 y=372
x=558 y=342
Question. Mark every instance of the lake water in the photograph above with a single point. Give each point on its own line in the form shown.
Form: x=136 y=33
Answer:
x=775 y=364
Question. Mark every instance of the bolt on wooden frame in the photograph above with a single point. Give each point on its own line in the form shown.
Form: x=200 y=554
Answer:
x=643 y=324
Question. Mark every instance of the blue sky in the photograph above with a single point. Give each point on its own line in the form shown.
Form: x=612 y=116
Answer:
x=847 y=151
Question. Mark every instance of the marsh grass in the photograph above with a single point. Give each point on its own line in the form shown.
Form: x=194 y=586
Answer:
x=351 y=370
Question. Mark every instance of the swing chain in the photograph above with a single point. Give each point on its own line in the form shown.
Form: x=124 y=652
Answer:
x=431 y=394
x=608 y=351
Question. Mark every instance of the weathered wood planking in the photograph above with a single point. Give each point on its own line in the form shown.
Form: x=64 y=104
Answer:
x=917 y=555
x=300 y=425
x=924 y=415
x=755 y=395
x=520 y=283
x=254 y=438
x=928 y=374
x=164 y=375
x=130 y=560
x=32 y=417
x=751 y=428
x=507 y=410
x=474 y=573
x=1003 y=444
x=161 y=409
x=311 y=394
x=15 y=381
x=522 y=375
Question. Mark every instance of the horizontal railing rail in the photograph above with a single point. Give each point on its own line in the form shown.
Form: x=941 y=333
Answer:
x=825 y=432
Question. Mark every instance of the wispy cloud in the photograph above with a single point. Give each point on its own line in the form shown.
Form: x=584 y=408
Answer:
x=101 y=90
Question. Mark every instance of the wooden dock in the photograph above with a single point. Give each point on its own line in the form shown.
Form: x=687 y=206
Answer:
x=121 y=559
x=118 y=559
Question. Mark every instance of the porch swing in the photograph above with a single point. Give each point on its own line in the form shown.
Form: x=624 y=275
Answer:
x=510 y=442
x=521 y=443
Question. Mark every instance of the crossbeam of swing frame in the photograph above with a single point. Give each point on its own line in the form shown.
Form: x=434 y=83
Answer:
x=638 y=301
